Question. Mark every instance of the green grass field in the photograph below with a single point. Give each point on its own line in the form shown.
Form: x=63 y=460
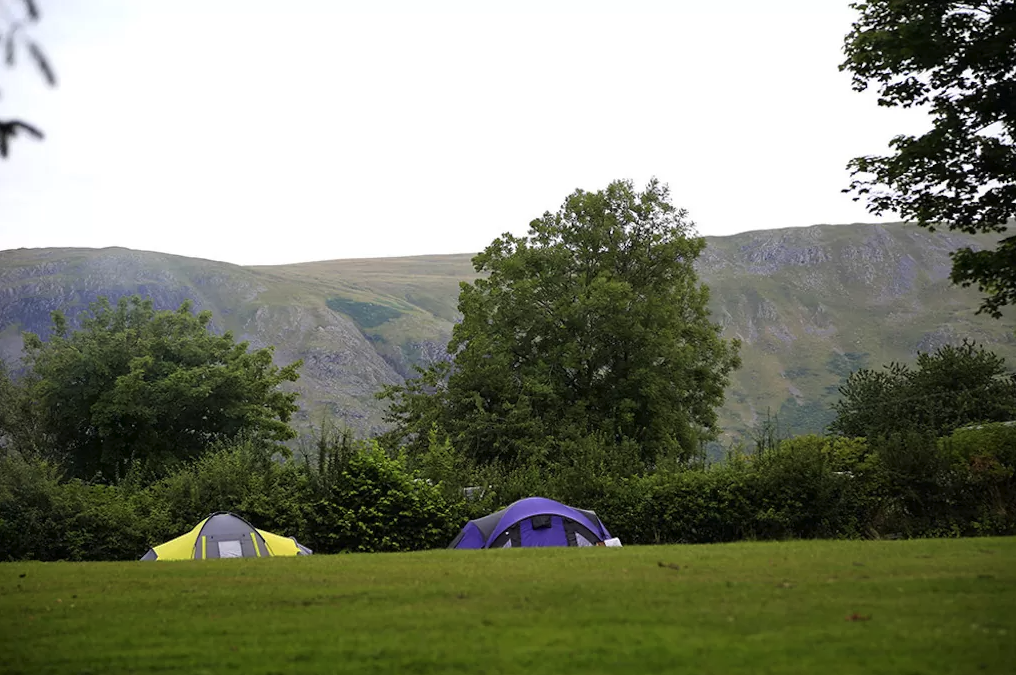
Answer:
x=929 y=606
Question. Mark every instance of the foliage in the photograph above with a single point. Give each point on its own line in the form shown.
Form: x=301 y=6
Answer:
x=950 y=388
x=45 y=518
x=239 y=476
x=373 y=503
x=136 y=386
x=799 y=494
x=985 y=459
x=956 y=58
x=20 y=422
x=443 y=466
x=594 y=322
x=13 y=41
x=357 y=498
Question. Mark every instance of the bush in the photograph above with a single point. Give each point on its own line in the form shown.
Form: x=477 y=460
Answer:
x=697 y=506
x=374 y=503
x=798 y=493
x=241 y=477
x=43 y=518
x=32 y=507
x=983 y=460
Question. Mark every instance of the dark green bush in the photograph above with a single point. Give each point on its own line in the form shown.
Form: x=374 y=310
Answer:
x=44 y=518
x=376 y=504
x=33 y=508
x=241 y=477
x=700 y=506
x=983 y=461
x=798 y=493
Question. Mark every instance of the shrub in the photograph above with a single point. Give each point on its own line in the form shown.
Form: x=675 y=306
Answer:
x=43 y=518
x=376 y=504
x=697 y=506
x=983 y=460
x=798 y=493
x=239 y=476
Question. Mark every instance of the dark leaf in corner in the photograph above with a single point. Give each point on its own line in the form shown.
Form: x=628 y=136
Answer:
x=10 y=129
x=32 y=9
x=9 y=43
x=42 y=63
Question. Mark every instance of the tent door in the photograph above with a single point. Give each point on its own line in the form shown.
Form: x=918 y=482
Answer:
x=578 y=534
x=232 y=545
x=510 y=538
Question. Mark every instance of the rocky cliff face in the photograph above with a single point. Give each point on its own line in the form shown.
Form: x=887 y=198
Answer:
x=809 y=305
x=813 y=304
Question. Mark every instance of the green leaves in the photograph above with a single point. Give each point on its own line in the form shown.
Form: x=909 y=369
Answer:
x=374 y=503
x=139 y=386
x=594 y=322
x=956 y=59
x=950 y=388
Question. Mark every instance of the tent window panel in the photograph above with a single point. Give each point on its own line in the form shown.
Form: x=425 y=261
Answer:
x=230 y=549
x=582 y=541
x=540 y=522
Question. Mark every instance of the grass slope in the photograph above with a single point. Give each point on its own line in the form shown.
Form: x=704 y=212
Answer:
x=923 y=606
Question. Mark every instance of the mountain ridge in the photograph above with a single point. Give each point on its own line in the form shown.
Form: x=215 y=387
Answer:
x=809 y=304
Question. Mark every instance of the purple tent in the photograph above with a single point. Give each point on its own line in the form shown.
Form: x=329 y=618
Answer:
x=534 y=521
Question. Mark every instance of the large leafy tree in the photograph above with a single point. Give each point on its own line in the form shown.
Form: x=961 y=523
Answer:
x=139 y=386
x=957 y=58
x=593 y=323
x=952 y=387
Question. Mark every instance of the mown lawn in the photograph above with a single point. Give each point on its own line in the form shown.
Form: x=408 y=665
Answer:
x=931 y=606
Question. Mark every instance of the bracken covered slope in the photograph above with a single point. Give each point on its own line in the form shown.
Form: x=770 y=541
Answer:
x=809 y=305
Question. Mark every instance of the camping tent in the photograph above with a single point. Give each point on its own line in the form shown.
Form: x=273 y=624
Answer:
x=534 y=521
x=225 y=535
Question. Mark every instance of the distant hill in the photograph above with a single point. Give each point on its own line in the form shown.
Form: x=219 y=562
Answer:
x=809 y=304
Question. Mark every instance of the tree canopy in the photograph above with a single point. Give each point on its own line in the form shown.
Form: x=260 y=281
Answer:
x=958 y=59
x=953 y=56
x=950 y=388
x=139 y=386
x=593 y=323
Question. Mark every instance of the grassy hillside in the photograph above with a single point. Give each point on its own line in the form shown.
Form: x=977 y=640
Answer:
x=809 y=304
x=922 y=606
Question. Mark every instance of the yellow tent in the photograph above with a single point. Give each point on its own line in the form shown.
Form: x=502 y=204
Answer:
x=225 y=535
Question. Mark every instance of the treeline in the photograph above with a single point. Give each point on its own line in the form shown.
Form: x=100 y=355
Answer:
x=585 y=369
x=349 y=496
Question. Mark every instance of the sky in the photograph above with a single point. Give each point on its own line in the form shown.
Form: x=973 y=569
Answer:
x=260 y=132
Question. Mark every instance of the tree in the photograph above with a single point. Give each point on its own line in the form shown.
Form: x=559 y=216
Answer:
x=13 y=40
x=953 y=387
x=593 y=323
x=20 y=423
x=139 y=386
x=957 y=58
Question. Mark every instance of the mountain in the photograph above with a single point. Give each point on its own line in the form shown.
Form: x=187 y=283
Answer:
x=810 y=305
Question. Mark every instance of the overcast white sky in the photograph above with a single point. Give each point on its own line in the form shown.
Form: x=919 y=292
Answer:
x=274 y=132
